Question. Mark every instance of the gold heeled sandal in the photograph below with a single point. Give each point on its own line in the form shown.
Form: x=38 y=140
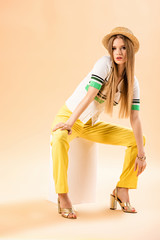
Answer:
x=65 y=211
x=125 y=206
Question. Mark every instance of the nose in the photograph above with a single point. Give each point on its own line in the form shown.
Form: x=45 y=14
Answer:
x=119 y=51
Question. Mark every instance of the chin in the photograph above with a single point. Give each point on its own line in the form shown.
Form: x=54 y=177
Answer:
x=119 y=63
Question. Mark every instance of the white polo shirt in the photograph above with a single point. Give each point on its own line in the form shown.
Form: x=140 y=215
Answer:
x=96 y=78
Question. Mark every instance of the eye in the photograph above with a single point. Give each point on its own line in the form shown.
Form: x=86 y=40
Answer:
x=124 y=47
x=113 y=48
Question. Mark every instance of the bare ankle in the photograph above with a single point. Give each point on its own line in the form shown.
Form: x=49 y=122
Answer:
x=122 y=188
x=63 y=195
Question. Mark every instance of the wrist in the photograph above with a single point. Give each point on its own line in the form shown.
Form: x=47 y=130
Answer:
x=141 y=158
x=141 y=153
x=69 y=123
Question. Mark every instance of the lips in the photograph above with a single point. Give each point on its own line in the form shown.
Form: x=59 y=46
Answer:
x=119 y=58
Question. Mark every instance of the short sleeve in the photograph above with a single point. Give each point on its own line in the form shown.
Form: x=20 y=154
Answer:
x=99 y=72
x=136 y=95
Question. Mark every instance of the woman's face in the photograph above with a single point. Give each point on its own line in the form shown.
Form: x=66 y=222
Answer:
x=119 y=51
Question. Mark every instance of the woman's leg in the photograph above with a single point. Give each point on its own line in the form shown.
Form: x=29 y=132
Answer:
x=60 y=146
x=116 y=135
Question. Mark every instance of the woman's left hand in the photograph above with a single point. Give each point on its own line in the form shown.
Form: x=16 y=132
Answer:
x=141 y=166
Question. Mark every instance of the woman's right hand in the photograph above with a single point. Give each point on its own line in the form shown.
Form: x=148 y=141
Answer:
x=63 y=126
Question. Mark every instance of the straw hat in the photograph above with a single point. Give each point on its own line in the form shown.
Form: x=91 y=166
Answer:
x=124 y=31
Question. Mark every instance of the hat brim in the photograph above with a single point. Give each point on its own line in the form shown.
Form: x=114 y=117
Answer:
x=130 y=36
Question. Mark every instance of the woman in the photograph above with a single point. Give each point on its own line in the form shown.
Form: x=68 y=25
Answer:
x=111 y=81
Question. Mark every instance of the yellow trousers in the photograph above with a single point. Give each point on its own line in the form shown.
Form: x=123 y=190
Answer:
x=101 y=132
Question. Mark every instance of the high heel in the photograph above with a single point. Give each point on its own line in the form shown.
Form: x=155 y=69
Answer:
x=125 y=206
x=113 y=202
x=65 y=211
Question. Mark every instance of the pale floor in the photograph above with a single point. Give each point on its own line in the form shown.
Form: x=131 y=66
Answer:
x=26 y=215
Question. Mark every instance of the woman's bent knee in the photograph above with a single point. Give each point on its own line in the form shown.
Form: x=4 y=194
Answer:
x=59 y=136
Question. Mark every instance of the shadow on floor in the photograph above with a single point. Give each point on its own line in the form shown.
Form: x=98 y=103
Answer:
x=23 y=216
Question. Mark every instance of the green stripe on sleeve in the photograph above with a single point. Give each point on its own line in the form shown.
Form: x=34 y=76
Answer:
x=95 y=85
x=87 y=86
x=136 y=107
x=98 y=99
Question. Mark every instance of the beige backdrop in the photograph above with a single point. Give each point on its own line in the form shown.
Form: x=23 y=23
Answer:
x=46 y=48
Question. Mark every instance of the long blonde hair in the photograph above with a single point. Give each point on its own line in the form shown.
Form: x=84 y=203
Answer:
x=109 y=88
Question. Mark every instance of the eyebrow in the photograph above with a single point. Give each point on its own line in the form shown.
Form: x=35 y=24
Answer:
x=120 y=46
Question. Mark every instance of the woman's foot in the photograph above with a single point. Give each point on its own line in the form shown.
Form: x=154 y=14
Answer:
x=66 y=203
x=123 y=195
